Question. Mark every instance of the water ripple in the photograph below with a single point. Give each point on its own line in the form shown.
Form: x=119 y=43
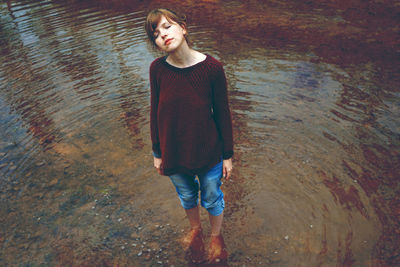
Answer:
x=316 y=129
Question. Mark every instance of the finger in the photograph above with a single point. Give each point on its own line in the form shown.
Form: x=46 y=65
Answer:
x=224 y=172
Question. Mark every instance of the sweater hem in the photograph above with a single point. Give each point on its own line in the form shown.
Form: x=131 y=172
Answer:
x=189 y=171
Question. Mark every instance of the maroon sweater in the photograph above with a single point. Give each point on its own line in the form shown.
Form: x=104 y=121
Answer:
x=191 y=127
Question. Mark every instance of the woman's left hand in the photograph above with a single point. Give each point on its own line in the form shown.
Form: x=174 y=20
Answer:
x=227 y=168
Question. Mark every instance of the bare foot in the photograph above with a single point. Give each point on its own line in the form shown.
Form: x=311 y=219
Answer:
x=217 y=252
x=194 y=241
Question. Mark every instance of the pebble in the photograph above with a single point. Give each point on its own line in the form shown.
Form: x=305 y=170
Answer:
x=122 y=247
x=53 y=182
x=276 y=252
x=134 y=245
x=140 y=253
x=287 y=237
x=39 y=164
x=119 y=219
x=311 y=226
x=2 y=154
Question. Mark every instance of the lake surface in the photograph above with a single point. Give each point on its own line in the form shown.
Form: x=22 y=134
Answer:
x=314 y=95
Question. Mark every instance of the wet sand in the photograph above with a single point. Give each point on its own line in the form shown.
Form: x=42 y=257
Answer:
x=314 y=93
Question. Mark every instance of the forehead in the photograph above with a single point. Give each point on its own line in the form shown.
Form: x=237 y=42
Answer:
x=163 y=20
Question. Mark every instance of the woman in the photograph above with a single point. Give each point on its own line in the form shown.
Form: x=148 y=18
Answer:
x=191 y=127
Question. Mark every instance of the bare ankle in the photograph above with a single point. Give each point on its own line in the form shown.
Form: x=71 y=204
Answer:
x=215 y=235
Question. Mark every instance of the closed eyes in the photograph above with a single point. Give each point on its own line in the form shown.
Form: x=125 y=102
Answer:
x=165 y=26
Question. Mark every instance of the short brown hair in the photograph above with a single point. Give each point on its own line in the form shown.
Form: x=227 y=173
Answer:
x=154 y=17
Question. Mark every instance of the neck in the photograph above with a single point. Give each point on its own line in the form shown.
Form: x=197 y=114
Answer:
x=182 y=57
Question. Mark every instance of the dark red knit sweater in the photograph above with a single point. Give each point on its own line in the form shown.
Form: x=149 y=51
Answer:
x=191 y=127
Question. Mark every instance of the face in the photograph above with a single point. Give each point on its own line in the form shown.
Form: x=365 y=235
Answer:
x=169 y=36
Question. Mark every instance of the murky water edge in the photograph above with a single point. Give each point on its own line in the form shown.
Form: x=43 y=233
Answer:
x=315 y=104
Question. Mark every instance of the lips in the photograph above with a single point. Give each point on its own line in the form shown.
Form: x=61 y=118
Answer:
x=168 y=41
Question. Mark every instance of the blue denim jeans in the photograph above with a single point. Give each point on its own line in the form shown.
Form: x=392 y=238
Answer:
x=209 y=183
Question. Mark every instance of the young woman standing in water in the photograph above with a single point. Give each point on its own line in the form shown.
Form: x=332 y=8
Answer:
x=191 y=127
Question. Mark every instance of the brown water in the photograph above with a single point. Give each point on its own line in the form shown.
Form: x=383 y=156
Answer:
x=314 y=92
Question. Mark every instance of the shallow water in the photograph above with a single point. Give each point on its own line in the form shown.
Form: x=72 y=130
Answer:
x=314 y=93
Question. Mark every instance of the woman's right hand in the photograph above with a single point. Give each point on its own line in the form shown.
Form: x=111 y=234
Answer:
x=157 y=164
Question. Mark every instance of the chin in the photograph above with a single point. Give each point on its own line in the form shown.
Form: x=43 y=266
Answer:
x=170 y=49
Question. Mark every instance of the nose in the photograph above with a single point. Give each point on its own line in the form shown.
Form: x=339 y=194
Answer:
x=163 y=35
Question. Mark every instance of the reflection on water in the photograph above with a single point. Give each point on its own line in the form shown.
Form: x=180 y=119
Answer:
x=315 y=103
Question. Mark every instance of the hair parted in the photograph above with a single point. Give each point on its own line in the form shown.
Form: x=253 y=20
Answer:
x=154 y=17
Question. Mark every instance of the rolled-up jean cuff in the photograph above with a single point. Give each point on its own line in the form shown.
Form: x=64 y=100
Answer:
x=217 y=208
x=188 y=206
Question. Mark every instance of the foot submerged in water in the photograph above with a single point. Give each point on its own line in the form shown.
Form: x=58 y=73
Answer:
x=217 y=252
x=194 y=241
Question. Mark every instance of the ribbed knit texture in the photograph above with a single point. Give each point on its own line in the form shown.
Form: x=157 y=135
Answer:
x=191 y=126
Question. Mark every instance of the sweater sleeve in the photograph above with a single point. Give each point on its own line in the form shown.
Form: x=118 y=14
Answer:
x=221 y=111
x=154 y=91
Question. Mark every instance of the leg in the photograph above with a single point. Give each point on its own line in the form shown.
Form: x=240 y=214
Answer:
x=193 y=215
x=187 y=188
x=216 y=223
x=217 y=251
x=212 y=199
